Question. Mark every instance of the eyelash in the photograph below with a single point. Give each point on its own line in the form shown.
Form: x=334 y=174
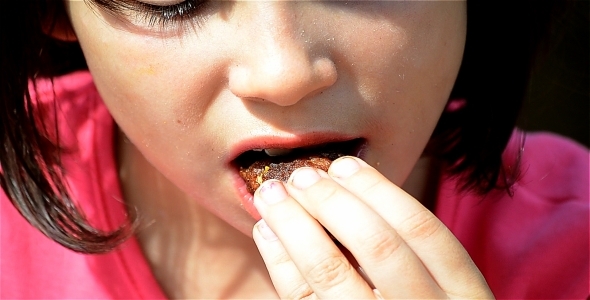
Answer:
x=166 y=17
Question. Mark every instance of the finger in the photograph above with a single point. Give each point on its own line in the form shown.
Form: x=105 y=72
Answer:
x=439 y=250
x=316 y=257
x=391 y=265
x=284 y=274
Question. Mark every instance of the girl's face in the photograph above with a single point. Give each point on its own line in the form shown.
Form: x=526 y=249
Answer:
x=194 y=88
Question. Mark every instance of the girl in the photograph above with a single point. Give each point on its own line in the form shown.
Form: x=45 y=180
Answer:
x=137 y=159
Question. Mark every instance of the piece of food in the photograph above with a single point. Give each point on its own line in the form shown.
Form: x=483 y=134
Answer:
x=260 y=164
x=280 y=168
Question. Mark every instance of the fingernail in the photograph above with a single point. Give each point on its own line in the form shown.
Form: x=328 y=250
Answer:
x=272 y=191
x=265 y=231
x=304 y=178
x=344 y=167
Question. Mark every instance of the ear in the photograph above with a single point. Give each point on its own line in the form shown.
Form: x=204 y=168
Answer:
x=57 y=23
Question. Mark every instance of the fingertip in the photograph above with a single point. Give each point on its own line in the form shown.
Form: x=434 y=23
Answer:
x=263 y=230
x=304 y=177
x=344 y=167
x=270 y=192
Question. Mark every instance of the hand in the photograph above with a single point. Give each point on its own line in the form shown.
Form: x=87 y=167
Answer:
x=403 y=249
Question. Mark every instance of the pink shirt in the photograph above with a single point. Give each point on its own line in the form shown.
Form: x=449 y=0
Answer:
x=532 y=245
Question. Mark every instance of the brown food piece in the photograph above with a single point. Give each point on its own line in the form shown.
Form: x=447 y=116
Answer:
x=263 y=170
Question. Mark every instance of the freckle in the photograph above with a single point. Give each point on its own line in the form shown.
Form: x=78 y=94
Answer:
x=178 y=122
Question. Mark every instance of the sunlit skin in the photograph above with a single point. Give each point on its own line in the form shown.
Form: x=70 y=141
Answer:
x=188 y=98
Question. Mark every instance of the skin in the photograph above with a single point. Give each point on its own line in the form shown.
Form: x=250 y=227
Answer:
x=184 y=97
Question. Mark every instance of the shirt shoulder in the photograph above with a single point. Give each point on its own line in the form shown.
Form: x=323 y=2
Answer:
x=34 y=266
x=534 y=243
x=555 y=168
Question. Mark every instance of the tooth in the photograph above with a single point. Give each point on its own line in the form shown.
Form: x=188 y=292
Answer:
x=276 y=152
x=257 y=149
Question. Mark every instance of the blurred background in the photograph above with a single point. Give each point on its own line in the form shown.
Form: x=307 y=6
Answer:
x=559 y=95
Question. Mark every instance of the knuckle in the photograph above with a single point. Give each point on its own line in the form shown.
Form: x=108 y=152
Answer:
x=371 y=185
x=323 y=193
x=301 y=291
x=298 y=289
x=329 y=272
x=280 y=259
x=421 y=225
x=381 y=245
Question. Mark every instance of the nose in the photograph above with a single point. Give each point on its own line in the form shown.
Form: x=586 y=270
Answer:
x=278 y=61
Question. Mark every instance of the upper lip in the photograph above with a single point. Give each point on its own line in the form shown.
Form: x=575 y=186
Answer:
x=286 y=142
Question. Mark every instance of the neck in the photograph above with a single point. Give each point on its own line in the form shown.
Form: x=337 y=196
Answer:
x=192 y=253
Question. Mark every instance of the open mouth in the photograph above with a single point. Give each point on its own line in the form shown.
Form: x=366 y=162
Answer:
x=258 y=165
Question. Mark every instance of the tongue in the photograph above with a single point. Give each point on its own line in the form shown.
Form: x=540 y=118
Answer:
x=281 y=167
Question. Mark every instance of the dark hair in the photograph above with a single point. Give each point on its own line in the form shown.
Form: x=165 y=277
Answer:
x=500 y=51
x=501 y=40
x=31 y=173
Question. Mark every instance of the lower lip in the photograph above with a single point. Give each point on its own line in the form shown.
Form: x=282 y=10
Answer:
x=246 y=198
